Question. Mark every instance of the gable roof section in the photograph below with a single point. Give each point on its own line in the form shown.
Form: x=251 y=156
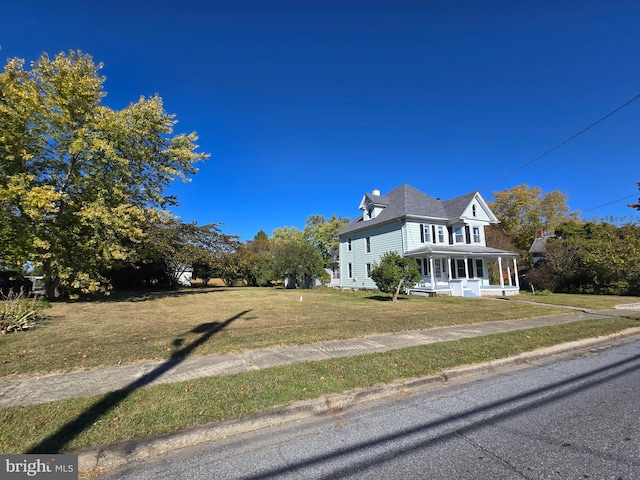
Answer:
x=456 y=206
x=400 y=202
x=539 y=246
x=377 y=200
x=406 y=201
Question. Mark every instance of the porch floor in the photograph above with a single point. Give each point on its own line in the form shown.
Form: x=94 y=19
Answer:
x=485 y=291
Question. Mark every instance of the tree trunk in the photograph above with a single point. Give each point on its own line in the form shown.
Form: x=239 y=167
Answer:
x=51 y=287
x=395 y=294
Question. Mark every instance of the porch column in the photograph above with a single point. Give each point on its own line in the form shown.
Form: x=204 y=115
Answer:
x=515 y=269
x=500 y=269
x=449 y=265
x=509 y=274
x=433 y=281
x=466 y=268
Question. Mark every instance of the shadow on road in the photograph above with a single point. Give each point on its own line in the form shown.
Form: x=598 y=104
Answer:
x=473 y=418
x=55 y=442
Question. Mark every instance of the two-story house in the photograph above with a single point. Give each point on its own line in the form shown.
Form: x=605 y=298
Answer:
x=446 y=238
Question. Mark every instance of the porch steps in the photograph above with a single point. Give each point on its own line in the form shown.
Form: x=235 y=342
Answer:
x=469 y=293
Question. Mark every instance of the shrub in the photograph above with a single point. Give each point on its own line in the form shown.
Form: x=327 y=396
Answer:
x=543 y=293
x=395 y=272
x=19 y=312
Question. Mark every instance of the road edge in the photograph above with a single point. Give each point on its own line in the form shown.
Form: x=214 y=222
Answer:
x=114 y=456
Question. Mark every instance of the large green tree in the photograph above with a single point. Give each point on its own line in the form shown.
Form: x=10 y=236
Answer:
x=395 y=272
x=285 y=236
x=300 y=262
x=322 y=233
x=250 y=263
x=178 y=246
x=80 y=183
x=591 y=258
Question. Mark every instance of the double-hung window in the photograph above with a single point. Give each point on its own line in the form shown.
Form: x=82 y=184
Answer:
x=440 y=234
x=425 y=233
x=459 y=234
x=476 y=234
x=368 y=244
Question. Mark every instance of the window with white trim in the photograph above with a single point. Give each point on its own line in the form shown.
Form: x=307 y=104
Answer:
x=476 y=234
x=459 y=234
x=349 y=244
x=350 y=271
x=368 y=245
x=425 y=233
x=368 y=270
x=440 y=234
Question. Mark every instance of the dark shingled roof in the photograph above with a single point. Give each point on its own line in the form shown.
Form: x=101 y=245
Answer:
x=377 y=199
x=406 y=201
x=456 y=206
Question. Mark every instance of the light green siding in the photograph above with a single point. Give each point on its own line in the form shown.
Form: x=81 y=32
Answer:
x=384 y=238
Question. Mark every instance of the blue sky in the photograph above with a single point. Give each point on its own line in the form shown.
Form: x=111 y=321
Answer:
x=304 y=106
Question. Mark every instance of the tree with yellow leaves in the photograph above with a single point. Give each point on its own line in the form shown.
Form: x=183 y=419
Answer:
x=81 y=183
x=524 y=210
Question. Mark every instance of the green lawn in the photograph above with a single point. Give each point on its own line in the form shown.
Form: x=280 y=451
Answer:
x=133 y=328
x=70 y=425
x=594 y=302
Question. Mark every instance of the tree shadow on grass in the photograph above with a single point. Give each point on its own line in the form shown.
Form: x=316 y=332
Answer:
x=56 y=442
x=385 y=298
x=145 y=295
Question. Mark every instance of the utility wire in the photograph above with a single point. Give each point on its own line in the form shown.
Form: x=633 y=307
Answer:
x=610 y=203
x=613 y=112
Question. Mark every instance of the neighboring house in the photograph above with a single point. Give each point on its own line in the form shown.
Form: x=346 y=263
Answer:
x=446 y=238
x=539 y=248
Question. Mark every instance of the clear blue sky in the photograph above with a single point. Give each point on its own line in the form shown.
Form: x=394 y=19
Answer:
x=306 y=105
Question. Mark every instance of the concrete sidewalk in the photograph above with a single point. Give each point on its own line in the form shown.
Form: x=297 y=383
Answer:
x=79 y=384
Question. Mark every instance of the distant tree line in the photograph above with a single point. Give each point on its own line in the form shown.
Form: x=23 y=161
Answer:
x=594 y=256
x=298 y=257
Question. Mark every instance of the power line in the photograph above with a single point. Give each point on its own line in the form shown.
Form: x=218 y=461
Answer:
x=610 y=203
x=613 y=112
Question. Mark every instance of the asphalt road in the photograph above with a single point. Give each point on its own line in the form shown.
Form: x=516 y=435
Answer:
x=576 y=417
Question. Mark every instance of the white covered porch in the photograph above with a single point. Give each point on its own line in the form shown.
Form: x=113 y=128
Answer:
x=465 y=271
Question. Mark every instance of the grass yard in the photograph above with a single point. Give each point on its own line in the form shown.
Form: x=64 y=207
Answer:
x=594 y=302
x=135 y=328
x=66 y=426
